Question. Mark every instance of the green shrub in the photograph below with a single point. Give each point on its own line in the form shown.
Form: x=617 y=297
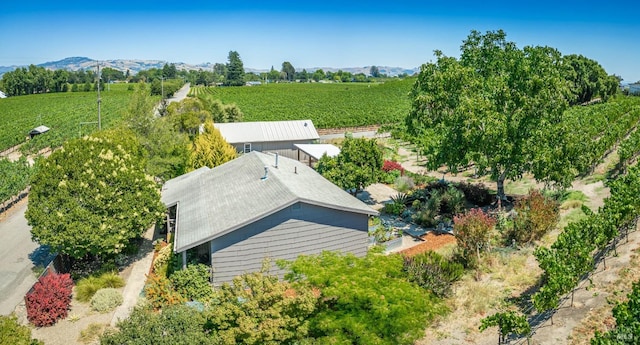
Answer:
x=404 y=184
x=428 y=215
x=178 y=324
x=193 y=283
x=160 y=293
x=12 y=332
x=161 y=262
x=395 y=208
x=383 y=234
x=452 y=202
x=535 y=216
x=433 y=272
x=106 y=299
x=111 y=280
x=87 y=287
x=476 y=194
x=420 y=179
x=389 y=177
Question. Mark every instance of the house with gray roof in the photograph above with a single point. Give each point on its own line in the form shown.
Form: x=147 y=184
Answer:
x=269 y=136
x=261 y=205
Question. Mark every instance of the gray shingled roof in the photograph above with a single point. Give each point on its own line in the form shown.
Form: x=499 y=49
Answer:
x=214 y=202
x=266 y=131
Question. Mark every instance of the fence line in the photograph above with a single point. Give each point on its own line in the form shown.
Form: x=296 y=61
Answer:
x=5 y=206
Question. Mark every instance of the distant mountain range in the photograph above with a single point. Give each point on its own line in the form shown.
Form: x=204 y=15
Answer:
x=134 y=66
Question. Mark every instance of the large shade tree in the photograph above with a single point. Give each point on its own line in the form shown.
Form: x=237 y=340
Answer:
x=91 y=198
x=490 y=107
x=587 y=79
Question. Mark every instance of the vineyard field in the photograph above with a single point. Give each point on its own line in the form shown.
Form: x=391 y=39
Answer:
x=63 y=113
x=593 y=130
x=327 y=105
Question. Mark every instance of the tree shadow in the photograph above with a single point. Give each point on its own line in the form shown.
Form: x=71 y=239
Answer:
x=41 y=256
x=367 y=198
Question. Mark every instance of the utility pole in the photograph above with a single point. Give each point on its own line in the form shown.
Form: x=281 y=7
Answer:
x=99 y=100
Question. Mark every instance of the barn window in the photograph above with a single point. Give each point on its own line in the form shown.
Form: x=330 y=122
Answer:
x=247 y=147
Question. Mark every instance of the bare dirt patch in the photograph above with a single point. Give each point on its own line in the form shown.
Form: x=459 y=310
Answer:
x=432 y=241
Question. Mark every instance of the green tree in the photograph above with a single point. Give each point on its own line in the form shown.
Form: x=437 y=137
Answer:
x=318 y=75
x=167 y=150
x=169 y=71
x=90 y=198
x=303 y=76
x=357 y=166
x=491 y=107
x=587 y=79
x=235 y=70
x=273 y=75
x=139 y=114
x=222 y=113
x=109 y=74
x=257 y=308
x=188 y=115
x=363 y=300
x=288 y=71
x=374 y=71
x=164 y=146
x=175 y=325
x=210 y=149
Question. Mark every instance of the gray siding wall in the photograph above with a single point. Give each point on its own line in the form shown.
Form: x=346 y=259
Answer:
x=298 y=229
x=283 y=148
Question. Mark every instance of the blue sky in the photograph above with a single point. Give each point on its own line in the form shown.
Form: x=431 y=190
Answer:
x=312 y=34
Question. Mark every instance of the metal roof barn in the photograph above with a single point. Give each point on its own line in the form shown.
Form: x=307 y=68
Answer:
x=267 y=131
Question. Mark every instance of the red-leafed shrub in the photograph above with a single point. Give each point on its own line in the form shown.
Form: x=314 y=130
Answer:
x=536 y=215
x=388 y=166
x=49 y=300
x=473 y=232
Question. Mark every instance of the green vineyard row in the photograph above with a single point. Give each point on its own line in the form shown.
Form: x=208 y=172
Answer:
x=571 y=256
x=14 y=176
x=327 y=105
x=594 y=130
x=68 y=115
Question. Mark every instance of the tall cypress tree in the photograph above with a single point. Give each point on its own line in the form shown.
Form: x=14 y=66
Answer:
x=235 y=70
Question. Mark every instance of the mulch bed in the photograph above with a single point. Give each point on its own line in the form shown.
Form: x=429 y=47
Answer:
x=432 y=241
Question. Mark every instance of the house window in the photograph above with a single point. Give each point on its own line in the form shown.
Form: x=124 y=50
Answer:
x=247 y=147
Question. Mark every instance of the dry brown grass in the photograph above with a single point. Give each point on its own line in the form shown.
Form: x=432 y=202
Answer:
x=91 y=334
x=601 y=319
